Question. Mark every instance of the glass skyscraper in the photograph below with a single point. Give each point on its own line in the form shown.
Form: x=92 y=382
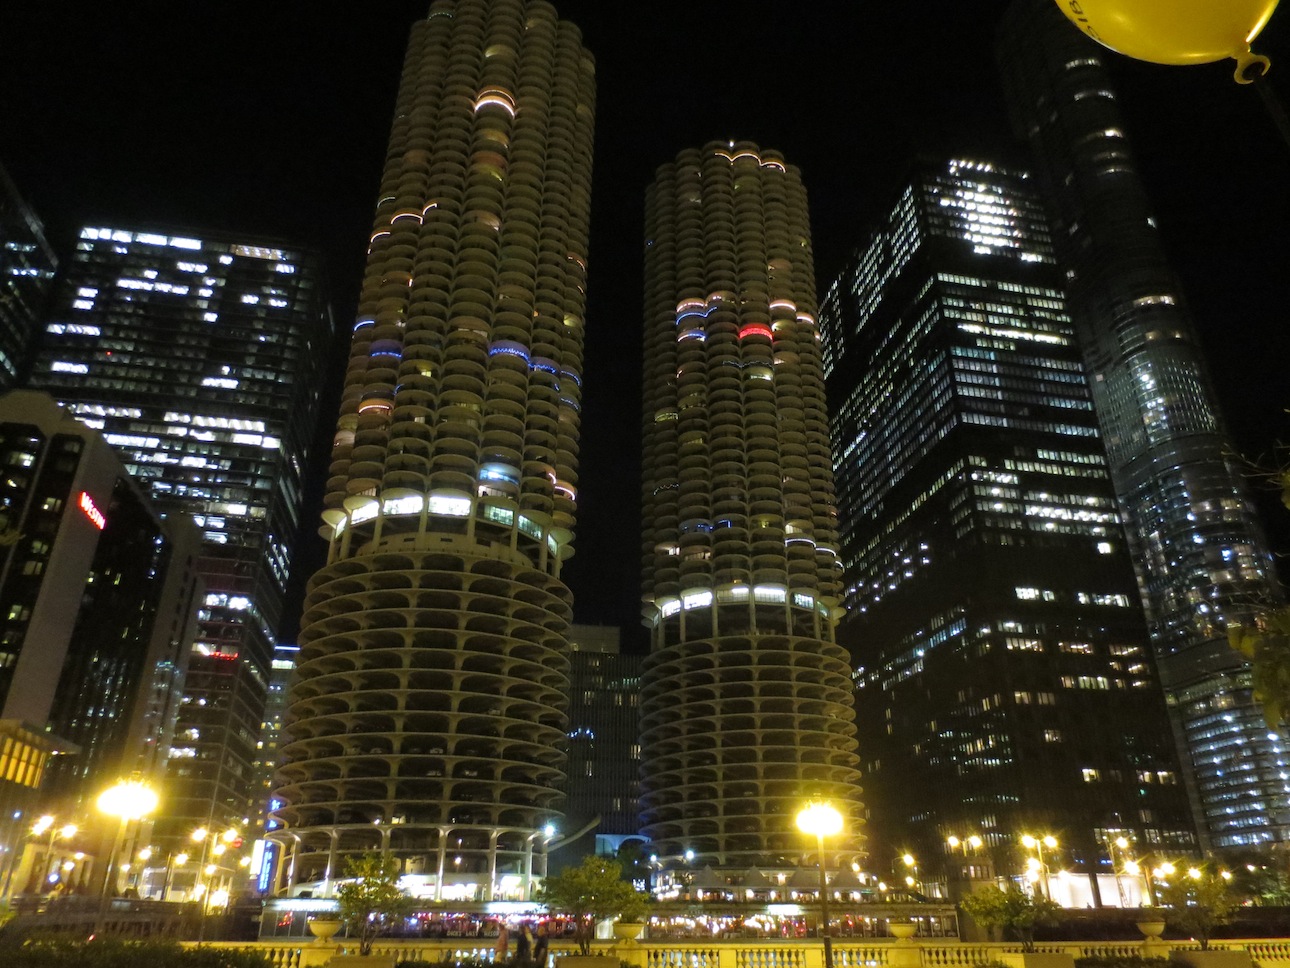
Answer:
x=27 y=265
x=98 y=600
x=1202 y=559
x=428 y=716
x=746 y=696
x=197 y=356
x=604 y=733
x=993 y=616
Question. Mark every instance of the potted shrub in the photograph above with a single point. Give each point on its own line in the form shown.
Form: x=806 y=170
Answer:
x=587 y=894
x=1151 y=922
x=370 y=899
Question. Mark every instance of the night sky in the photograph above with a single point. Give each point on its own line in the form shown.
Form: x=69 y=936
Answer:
x=271 y=118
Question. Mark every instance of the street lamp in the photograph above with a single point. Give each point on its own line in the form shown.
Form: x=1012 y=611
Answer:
x=66 y=832
x=1135 y=869
x=45 y=825
x=128 y=800
x=822 y=820
x=172 y=861
x=911 y=863
x=141 y=882
x=1037 y=844
x=1120 y=865
x=212 y=846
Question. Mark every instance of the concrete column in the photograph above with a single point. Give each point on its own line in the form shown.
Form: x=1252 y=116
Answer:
x=334 y=839
x=492 y=866
x=442 y=857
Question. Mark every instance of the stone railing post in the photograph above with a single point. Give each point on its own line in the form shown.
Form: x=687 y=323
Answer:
x=727 y=956
x=812 y=954
x=630 y=952
x=906 y=953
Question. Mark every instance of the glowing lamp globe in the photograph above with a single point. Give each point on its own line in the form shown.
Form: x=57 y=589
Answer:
x=1177 y=31
x=819 y=820
x=128 y=800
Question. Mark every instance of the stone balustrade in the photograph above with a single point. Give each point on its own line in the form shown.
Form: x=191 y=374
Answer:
x=755 y=953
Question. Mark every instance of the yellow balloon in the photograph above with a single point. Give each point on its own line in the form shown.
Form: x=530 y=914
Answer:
x=1176 y=31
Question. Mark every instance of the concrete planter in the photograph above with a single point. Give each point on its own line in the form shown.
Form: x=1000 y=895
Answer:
x=324 y=929
x=1151 y=929
x=1232 y=958
x=902 y=930
x=628 y=930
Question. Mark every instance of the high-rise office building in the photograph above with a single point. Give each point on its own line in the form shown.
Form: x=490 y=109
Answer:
x=604 y=738
x=96 y=597
x=197 y=357
x=993 y=615
x=1202 y=559
x=427 y=717
x=268 y=745
x=746 y=702
x=27 y=266
x=98 y=600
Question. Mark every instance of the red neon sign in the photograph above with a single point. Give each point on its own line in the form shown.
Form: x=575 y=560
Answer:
x=91 y=511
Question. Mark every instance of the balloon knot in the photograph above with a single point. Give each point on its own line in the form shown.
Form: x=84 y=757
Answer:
x=1251 y=66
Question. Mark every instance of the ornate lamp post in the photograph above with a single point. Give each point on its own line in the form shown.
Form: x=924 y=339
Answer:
x=213 y=846
x=911 y=864
x=47 y=825
x=173 y=860
x=128 y=800
x=1037 y=844
x=822 y=820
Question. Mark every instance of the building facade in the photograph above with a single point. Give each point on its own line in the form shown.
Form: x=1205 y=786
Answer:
x=275 y=712
x=198 y=360
x=746 y=699
x=993 y=616
x=264 y=859
x=428 y=713
x=98 y=598
x=1203 y=562
x=27 y=267
x=603 y=785
x=24 y=754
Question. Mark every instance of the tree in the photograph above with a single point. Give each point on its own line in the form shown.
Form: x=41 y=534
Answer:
x=633 y=856
x=1012 y=910
x=1197 y=902
x=371 y=898
x=592 y=892
x=1267 y=647
x=1266 y=643
x=1260 y=877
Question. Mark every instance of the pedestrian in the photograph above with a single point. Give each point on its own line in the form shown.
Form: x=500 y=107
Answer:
x=503 y=943
x=539 y=946
x=524 y=947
